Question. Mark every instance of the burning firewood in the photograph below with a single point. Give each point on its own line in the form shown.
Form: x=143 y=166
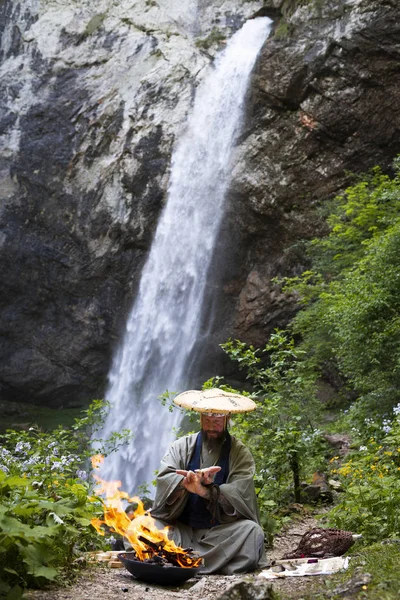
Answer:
x=150 y=544
x=109 y=558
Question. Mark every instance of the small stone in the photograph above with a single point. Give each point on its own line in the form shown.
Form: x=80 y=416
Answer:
x=244 y=590
x=277 y=568
x=353 y=585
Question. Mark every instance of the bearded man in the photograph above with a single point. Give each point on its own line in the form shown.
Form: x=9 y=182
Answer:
x=205 y=492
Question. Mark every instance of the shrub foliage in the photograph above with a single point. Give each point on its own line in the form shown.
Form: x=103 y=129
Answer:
x=348 y=324
x=47 y=502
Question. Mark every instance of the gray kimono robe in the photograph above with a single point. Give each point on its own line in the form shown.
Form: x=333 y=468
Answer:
x=236 y=545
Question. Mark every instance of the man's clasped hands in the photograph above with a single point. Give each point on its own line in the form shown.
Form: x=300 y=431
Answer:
x=197 y=481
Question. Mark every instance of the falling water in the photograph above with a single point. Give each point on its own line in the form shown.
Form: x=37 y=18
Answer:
x=164 y=323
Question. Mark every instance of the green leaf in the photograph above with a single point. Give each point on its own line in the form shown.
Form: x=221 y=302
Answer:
x=36 y=557
x=49 y=573
x=15 y=593
x=269 y=503
x=14 y=481
x=12 y=526
x=82 y=521
x=9 y=570
x=60 y=508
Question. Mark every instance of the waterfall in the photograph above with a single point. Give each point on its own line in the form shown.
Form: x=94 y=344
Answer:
x=164 y=323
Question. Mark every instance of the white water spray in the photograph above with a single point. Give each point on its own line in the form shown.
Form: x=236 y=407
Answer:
x=164 y=323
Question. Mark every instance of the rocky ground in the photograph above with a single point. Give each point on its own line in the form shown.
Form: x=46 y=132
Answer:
x=104 y=583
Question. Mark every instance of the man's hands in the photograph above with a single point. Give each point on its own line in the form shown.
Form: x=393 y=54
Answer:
x=196 y=481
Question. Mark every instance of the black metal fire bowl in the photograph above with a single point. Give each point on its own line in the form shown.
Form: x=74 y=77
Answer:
x=154 y=573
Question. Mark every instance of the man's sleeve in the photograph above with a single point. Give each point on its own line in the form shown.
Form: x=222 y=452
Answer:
x=168 y=505
x=239 y=491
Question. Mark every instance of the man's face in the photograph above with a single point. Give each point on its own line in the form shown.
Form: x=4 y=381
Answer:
x=213 y=427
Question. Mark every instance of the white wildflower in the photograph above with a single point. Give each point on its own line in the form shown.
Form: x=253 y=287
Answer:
x=22 y=447
x=81 y=474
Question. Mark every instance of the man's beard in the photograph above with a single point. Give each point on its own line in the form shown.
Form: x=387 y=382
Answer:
x=213 y=443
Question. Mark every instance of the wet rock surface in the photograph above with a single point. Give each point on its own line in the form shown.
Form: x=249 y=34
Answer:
x=93 y=97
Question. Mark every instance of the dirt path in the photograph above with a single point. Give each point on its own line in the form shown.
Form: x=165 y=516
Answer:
x=103 y=583
x=295 y=587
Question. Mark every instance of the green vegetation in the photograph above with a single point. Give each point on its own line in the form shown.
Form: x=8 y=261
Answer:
x=352 y=297
x=286 y=27
x=381 y=561
x=47 y=501
x=347 y=331
x=215 y=37
x=346 y=334
x=349 y=325
x=283 y=30
x=371 y=479
x=22 y=416
x=283 y=432
x=289 y=6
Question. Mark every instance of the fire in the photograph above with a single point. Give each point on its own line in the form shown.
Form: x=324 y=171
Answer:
x=97 y=460
x=140 y=529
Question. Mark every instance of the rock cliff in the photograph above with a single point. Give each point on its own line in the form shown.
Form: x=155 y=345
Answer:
x=325 y=103
x=94 y=95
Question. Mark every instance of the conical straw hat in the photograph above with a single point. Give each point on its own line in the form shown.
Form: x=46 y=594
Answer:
x=214 y=401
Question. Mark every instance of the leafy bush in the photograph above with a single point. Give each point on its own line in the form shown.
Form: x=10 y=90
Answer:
x=349 y=324
x=46 y=501
x=371 y=481
x=351 y=318
x=282 y=433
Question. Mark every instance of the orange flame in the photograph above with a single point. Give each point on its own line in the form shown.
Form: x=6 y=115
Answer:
x=97 y=460
x=139 y=529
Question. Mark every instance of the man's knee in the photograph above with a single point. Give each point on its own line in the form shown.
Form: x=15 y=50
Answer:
x=257 y=534
x=255 y=529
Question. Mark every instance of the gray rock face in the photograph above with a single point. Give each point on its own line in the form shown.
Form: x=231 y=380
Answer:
x=248 y=590
x=93 y=96
x=325 y=102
